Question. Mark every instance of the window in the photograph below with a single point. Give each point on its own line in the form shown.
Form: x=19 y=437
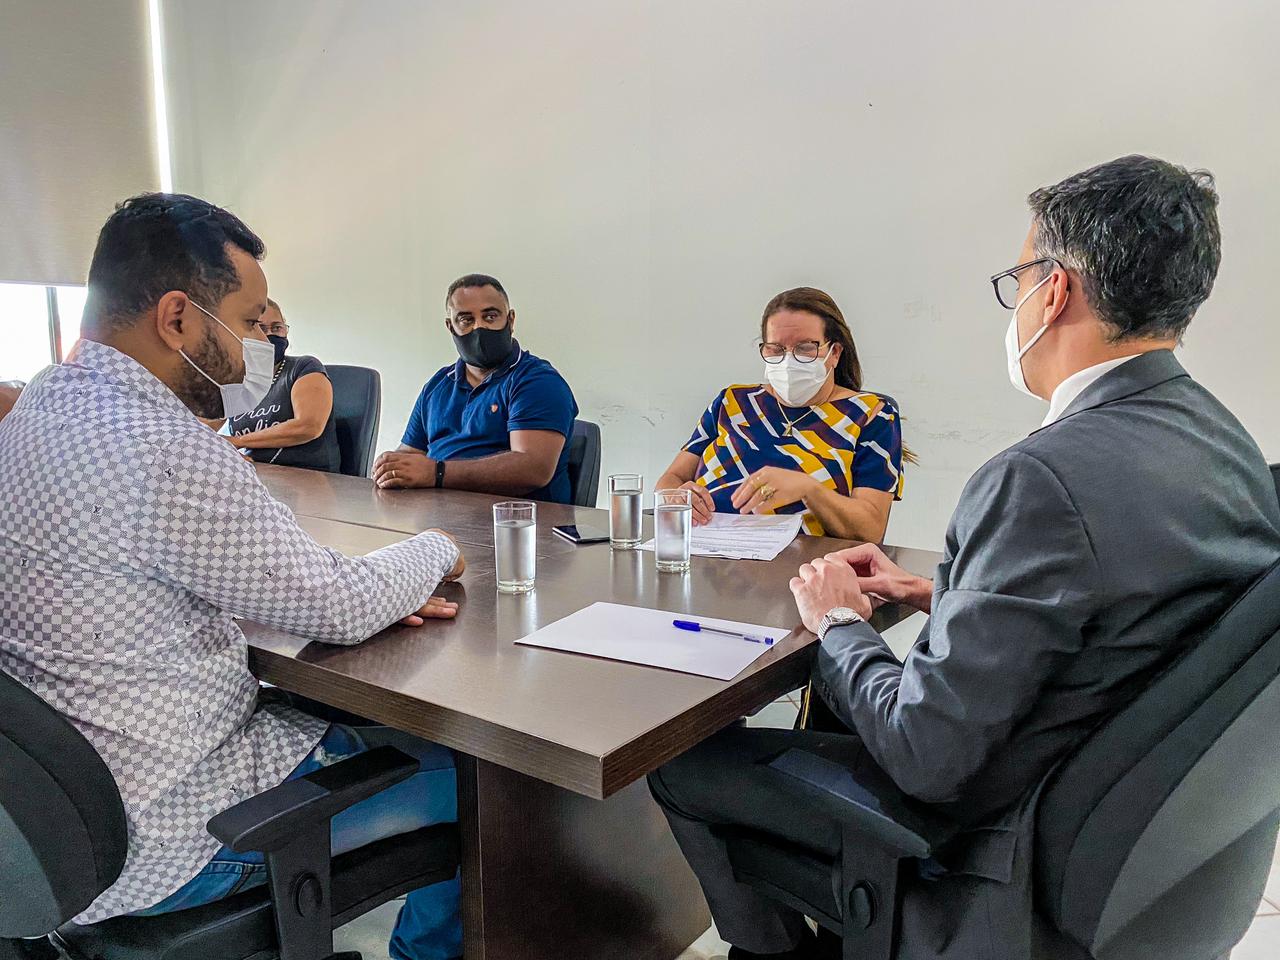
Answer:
x=27 y=336
x=70 y=310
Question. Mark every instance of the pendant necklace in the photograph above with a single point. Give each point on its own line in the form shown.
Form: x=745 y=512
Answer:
x=786 y=432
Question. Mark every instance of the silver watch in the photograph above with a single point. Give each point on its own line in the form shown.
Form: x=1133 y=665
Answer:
x=837 y=617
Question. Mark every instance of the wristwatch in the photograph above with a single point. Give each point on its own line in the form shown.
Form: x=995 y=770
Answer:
x=439 y=474
x=837 y=617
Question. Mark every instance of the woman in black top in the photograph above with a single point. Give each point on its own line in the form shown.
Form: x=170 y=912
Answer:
x=293 y=424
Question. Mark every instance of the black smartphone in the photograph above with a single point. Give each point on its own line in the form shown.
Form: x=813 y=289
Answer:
x=576 y=533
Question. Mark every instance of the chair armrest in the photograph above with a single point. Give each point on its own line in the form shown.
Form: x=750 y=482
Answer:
x=272 y=820
x=872 y=805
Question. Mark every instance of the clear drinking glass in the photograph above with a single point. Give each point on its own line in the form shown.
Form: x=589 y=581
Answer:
x=626 y=510
x=515 y=533
x=672 y=526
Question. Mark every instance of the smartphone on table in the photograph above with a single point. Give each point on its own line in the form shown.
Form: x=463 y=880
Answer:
x=581 y=533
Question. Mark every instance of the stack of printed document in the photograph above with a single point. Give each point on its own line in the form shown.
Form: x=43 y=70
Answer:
x=734 y=536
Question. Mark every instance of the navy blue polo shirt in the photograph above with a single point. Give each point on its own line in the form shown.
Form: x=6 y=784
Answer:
x=452 y=421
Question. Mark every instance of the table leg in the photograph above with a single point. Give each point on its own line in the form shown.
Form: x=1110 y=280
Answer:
x=548 y=874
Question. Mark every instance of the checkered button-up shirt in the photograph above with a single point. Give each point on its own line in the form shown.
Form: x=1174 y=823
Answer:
x=130 y=536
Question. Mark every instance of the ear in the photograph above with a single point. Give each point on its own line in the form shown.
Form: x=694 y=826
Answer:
x=173 y=319
x=1057 y=292
x=837 y=351
x=511 y=320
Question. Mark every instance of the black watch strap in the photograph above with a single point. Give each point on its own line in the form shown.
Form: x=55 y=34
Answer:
x=440 y=464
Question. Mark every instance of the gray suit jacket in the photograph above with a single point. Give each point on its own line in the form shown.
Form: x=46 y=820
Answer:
x=1077 y=564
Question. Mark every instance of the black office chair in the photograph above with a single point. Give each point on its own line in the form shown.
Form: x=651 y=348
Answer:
x=1275 y=475
x=357 y=412
x=63 y=841
x=1152 y=841
x=584 y=464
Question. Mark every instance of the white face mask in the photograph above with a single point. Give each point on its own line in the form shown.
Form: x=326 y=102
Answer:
x=259 y=365
x=796 y=382
x=1012 y=354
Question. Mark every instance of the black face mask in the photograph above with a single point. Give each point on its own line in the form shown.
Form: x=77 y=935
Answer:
x=484 y=348
x=281 y=344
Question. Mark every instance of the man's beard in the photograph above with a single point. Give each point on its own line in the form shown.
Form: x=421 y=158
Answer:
x=203 y=398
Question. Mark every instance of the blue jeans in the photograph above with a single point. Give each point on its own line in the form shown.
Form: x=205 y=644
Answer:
x=429 y=926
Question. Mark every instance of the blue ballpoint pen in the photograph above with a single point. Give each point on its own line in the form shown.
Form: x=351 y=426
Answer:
x=696 y=627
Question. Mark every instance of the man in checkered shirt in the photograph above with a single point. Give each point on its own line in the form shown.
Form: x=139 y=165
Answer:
x=134 y=534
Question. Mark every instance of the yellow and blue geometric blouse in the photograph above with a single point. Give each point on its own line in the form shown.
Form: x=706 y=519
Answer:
x=844 y=444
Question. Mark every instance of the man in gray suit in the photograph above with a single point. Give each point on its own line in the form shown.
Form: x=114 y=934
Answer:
x=1078 y=563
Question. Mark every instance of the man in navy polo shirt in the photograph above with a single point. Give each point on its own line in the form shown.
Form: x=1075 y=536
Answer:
x=497 y=421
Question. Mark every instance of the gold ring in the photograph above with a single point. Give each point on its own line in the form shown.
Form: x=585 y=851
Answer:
x=768 y=493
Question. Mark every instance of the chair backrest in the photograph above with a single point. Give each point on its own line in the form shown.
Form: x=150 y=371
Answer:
x=63 y=836
x=1275 y=475
x=357 y=412
x=1157 y=834
x=584 y=464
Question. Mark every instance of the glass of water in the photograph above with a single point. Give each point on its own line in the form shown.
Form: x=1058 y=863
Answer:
x=672 y=525
x=626 y=510
x=515 y=532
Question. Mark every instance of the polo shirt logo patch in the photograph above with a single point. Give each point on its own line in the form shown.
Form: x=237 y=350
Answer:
x=493 y=408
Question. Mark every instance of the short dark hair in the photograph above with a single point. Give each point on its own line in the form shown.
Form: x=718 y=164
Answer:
x=1142 y=233
x=157 y=242
x=475 y=280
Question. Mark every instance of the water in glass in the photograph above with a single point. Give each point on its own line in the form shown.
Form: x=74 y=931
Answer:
x=515 y=554
x=515 y=535
x=672 y=525
x=626 y=512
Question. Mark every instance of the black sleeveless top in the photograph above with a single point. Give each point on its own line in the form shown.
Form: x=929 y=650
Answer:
x=277 y=407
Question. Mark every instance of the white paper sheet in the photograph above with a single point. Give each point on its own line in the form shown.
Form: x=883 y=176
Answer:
x=615 y=631
x=733 y=536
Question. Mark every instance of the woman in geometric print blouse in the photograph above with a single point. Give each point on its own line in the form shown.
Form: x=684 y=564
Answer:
x=808 y=440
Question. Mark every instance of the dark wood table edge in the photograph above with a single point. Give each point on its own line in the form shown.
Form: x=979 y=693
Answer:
x=740 y=697
x=591 y=776
x=466 y=734
x=583 y=773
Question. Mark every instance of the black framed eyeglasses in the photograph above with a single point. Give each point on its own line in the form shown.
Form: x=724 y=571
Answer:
x=806 y=351
x=1006 y=284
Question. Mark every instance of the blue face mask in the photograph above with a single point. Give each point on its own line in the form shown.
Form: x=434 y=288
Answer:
x=280 y=343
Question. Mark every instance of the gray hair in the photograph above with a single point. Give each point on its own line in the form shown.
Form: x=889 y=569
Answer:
x=1142 y=234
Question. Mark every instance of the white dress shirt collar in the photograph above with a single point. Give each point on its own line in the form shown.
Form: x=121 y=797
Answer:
x=1076 y=384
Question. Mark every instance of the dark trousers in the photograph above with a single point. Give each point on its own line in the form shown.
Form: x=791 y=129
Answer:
x=725 y=781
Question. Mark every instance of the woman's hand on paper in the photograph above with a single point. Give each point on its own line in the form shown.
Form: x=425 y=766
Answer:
x=704 y=504
x=771 y=488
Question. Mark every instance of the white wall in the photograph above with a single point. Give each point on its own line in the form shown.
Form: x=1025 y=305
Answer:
x=644 y=176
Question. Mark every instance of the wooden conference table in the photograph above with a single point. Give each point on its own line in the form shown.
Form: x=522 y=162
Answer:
x=564 y=853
